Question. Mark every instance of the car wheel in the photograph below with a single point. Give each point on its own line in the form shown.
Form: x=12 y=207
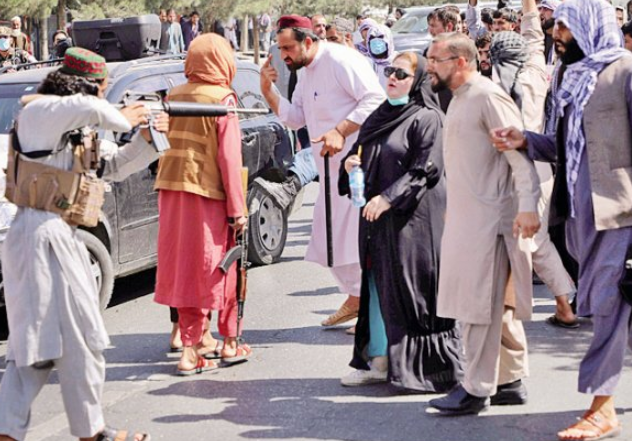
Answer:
x=267 y=228
x=100 y=265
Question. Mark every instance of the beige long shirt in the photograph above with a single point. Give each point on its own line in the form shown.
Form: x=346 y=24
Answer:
x=482 y=204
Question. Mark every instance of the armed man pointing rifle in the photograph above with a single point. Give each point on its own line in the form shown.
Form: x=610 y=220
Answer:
x=335 y=94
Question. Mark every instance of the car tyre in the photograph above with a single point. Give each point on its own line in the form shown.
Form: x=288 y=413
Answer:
x=101 y=266
x=267 y=228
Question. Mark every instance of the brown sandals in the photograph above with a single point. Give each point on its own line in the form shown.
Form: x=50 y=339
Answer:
x=110 y=434
x=593 y=427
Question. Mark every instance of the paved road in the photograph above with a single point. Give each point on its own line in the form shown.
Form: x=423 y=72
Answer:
x=290 y=388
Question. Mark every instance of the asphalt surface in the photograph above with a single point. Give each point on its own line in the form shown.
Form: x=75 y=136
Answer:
x=290 y=389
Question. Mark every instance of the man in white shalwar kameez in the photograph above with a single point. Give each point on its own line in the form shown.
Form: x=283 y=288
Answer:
x=51 y=294
x=337 y=91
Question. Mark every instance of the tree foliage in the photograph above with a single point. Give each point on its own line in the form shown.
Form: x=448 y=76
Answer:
x=34 y=8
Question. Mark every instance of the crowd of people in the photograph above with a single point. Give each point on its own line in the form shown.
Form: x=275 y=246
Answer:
x=455 y=145
x=431 y=321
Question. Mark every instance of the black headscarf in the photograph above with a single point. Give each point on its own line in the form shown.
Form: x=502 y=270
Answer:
x=387 y=117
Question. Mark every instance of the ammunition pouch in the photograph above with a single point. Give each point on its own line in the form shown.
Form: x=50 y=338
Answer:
x=77 y=195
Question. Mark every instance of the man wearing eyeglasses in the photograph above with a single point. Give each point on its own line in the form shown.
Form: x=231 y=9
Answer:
x=484 y=217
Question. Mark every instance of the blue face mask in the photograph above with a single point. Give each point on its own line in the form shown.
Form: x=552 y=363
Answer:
x=377 y=46
x=399 y=101
x=5 y=44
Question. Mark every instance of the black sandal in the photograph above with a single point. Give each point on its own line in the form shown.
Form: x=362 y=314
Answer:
x=110 y=434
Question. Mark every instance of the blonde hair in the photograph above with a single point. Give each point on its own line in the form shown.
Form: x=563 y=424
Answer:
x=411 y=57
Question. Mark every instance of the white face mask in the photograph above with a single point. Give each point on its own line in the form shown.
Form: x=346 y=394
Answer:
x=5 y=44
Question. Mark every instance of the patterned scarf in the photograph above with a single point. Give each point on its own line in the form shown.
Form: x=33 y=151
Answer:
x=508 y=52
x=593 y=25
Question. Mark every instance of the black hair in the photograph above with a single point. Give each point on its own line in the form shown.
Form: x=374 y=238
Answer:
x=63 y=84
x=626 y=29
x=483 y=40
x=60 y=31
x=194 y=13
x=402 y=11
x=445 y=15
x=507 y=14
x=486 y=15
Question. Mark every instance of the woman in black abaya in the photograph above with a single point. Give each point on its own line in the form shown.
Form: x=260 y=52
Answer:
x=399 y=337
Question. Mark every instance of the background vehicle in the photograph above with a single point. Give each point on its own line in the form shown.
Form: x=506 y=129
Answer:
x=125 y=241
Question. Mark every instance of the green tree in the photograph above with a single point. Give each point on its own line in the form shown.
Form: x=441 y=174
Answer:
x=39 y=10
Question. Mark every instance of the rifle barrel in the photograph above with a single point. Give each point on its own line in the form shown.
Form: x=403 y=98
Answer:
x=180 y=108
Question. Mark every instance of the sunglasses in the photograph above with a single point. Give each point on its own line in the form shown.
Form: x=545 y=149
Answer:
x=400 y=73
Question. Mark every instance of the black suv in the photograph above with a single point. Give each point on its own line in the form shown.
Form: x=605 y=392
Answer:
x=125 y=240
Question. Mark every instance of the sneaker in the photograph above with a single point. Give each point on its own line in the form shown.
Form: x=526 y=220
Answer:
x=360 y=377
x=344 y=314
x=282 y=193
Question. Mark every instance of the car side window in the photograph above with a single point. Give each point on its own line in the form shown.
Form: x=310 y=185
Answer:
x=246 y=86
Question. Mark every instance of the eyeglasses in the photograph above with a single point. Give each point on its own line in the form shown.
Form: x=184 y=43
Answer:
x=440 y=60
x=400 y=73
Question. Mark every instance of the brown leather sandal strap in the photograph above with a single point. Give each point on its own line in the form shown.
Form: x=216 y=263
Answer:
x=598 y=421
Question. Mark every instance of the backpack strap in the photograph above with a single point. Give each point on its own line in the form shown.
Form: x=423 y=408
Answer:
x=15 y=143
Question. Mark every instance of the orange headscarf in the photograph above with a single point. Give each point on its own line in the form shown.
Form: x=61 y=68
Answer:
x=210 y=60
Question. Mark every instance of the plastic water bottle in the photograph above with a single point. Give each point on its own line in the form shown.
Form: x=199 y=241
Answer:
x=356 y=184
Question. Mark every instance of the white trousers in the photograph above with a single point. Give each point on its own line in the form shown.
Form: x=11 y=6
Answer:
x=349 y=278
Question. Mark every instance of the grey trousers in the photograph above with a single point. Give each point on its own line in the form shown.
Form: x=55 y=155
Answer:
x=600 y=369
x=81 y=373
x=547 y=262
x=482 y=343
x=81 y=376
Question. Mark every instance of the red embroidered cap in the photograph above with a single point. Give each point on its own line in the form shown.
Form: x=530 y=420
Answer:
x=294 y=21
x=85 y=63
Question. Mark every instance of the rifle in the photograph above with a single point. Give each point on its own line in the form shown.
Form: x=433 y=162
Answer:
x=239 y=253
x=157 y=105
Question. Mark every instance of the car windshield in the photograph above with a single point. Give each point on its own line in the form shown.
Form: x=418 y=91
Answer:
x=10 y=103
x=415 y=22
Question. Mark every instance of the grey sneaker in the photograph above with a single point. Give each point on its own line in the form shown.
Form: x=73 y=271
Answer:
x=282 y=193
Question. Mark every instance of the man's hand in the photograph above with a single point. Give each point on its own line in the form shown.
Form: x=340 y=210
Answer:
x=269 y=74
x=238 y=225
x=526 y=224
x=160 y=123
x=136 y=114
x=509 y=138
x=333 y=142
x=352 y=161
x=375 y=208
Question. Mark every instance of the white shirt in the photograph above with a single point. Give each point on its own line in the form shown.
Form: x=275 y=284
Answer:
x=338 y=84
